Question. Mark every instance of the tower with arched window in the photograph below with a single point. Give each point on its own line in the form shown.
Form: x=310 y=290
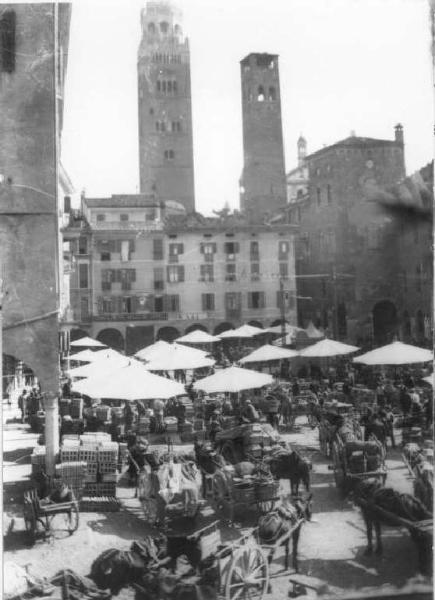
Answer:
x=263 y=182
x=165 y=109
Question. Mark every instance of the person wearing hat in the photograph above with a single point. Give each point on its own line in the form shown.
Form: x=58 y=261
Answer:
x=272 y=407
x=249 y=414
x=215 y=425
x=137 y=458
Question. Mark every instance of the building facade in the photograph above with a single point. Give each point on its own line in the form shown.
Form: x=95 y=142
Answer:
x=165 y=107
x=350 y=249
x=263 y=181
x=297 y=178
x=33 y=52
x=142 y=273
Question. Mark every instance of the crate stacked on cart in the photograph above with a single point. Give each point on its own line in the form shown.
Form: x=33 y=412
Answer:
x=37 y=460
x=123 y=455
x=76 y=408
x=64 y=407
x=108 y=453
x=171 y=424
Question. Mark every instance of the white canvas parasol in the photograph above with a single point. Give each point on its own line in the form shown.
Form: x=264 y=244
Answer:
x=198 y=337
x=313 y=332
x=84 y=356
x=429 y=379
x=129 y=382
x=396 y=353
x=268 y=353
x=245 y=331
x=155 y=350
x=178 y=357
x=87 y=342
x=233 y=379
x=102 y=366
x=327 y=348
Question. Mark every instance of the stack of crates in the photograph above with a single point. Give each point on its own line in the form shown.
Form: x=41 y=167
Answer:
x=103 y=413
x=69 y=451
x=64 y=407
x=73 y=474
x=38 y=460
x=144 y=425
x=123 y=455
x=108 y=453
x=171 y=424
x=198 y=424
x=76 y=408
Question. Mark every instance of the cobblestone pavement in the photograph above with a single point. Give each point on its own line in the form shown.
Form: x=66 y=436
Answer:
x=331 y=546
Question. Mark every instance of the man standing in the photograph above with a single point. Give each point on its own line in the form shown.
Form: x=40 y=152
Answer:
x=272 y=409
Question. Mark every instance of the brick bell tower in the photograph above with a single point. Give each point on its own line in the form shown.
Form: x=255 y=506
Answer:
x=165 y=107
x=263 y=182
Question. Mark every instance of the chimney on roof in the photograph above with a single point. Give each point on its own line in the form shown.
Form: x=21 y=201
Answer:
x=398 y=133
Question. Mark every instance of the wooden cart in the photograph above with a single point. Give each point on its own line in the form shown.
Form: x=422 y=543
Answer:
x=344 y=478
x=37 y=512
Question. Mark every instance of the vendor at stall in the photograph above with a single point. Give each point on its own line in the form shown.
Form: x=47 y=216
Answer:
x=249 y=413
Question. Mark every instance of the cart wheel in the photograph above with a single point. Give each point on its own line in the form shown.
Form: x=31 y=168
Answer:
x=248 y=574
x=339 y=474
x=72 y=519
x=30 y=522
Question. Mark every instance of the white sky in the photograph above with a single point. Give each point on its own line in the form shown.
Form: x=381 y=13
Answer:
x=360 y=65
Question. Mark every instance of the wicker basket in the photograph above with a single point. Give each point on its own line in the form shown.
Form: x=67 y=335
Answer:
x=244 y=494
x=267 y=490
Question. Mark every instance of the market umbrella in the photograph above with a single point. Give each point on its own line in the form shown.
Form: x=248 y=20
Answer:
x=155 y=350
x=198 y=337
x=233 y=379
x=129 y=382
x=313 y=332
x=178 y=357
x=84 y=356
x=268 y=353
x=327 y=348
x=396 y=353
x=429 y=379
x=99 y=367
x=288 y=329
x=245 y=331
x=87 y=342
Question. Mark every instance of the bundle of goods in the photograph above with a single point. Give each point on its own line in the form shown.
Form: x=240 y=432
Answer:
x=171 y=424
x=76 y=408
x=102 y=413
x=38 y=460
x=364 y=456
x=144 y=425
x=99 y=504
x=74 y=475
x=64 y=407
x=266 y=489
x=244 y=492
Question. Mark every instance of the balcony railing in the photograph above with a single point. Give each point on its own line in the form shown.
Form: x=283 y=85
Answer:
x=126 y=226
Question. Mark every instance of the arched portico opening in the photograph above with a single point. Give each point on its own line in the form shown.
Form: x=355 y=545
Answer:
x=113 y=338
x=194 y=327
x=222 y=327
x=384 y=322
x=167 y=334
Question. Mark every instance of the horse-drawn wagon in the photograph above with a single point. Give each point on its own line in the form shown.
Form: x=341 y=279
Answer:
x=419 y=462
x=246 y=441
x=329 y=418
x=354 y=460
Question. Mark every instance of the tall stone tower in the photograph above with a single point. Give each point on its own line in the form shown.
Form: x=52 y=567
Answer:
x=263 y=182
x=165 y=107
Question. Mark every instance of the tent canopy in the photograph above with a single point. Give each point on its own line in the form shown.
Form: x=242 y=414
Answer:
x=233 y=379
x=178 y=357
x=268 y=353
x=245 y=331
x=198 y=337
x=290 y=330
x=84 y=356
x=154 y=350
x=101 y=366
x=129 y=382
x=313 y=332
x=327 y=348
x=87 y=342
x=396 y=353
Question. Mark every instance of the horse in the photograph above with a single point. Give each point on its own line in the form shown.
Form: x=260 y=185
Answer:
x=292 y=466
x=404 y=506
x=286 y=519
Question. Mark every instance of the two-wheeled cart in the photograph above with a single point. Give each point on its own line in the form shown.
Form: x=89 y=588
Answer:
x=42 y=512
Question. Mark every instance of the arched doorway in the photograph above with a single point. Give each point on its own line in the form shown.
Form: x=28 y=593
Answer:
x=384 y=322
x=277 y=322
x=255 y=324
x=168 y=334
x=76 y=334
x=419 y=325
x=16 y=376
x=113 y=338
x=341 y=321
x=195 y=327
x=406 y=326
x=222 y=327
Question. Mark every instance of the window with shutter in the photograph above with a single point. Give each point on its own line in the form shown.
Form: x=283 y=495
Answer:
x=283 y=270
x=207 y=301
x=158 y=249
x=206 y=273
x=83 y=276
x=230 y=272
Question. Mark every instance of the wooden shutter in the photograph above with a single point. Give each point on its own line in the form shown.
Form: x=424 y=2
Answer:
x=262 y=300
x=181 y=273
x=249 y=299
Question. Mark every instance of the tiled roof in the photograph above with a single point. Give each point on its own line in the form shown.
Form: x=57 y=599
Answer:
x=122 y=201
x=354 y=141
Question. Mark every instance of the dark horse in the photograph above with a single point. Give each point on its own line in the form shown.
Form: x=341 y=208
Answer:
x=292 y=466
x=284 y=524
x=404 y=506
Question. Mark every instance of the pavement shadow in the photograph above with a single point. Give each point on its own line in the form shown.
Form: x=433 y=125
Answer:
x=396 y=566
x=327 y=499
x=21 y=455
x=126 y=524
